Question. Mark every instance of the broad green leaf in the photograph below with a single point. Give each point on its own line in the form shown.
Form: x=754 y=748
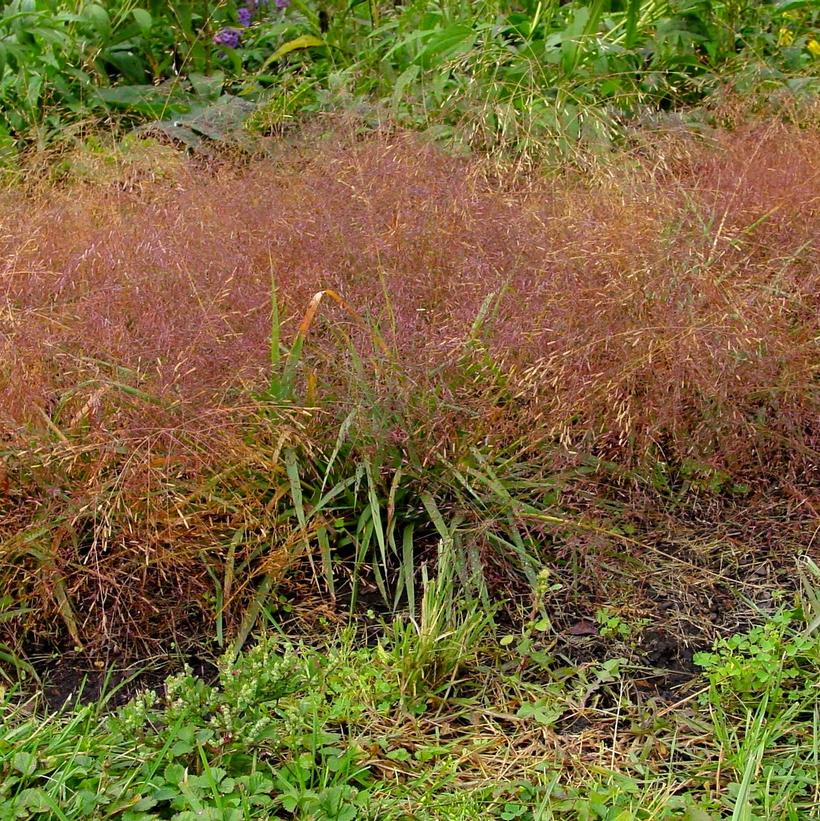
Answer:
x=24 y=762
x=146 y=99
x=99 y=19
x=208 y=86
x=305 y=41
x=174 y=773
x=697 y=814
x=404 y=79
x=36 y=800
x=445 y=44
x=130 y=95
x=128 y=64
x=143 y=19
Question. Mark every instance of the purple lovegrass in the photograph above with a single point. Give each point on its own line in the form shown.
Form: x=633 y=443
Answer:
x=227 y=37
x=607 y=340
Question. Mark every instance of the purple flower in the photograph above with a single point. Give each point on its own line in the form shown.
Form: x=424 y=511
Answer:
x=227 y=37
x=244 y=14
x=282 y=4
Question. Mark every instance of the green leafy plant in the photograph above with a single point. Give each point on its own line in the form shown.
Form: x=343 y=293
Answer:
x=537 y=629
x=54 y=55
x=774 y=660
x=611 y=625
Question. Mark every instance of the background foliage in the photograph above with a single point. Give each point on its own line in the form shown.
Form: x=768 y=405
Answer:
x=512 y=74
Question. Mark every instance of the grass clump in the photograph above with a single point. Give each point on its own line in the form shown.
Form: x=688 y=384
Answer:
x=160 y=442
x=493 y=459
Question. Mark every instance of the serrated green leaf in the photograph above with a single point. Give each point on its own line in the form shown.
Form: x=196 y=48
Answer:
x=24 y=763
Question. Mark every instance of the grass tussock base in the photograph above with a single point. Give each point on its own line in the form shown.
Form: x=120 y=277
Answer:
x=579 y=374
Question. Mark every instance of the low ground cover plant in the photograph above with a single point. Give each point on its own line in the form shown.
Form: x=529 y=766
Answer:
x=288 y=730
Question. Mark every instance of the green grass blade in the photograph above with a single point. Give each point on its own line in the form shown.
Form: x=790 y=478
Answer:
x=252 y=613
x=340 y=438
x=327 y=561
x=292 y=467
x=437 y=519
x=375 y=514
